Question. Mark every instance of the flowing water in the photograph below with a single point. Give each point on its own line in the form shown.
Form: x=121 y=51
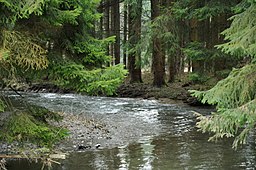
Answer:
x=147 y=135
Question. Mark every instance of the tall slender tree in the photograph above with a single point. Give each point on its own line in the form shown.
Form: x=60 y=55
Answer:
x=116 y=13
x=125 y=29
x=158 y=53
x=106 y=21
x=134 y=57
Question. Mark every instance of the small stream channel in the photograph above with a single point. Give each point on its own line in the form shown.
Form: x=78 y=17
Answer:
x=145 y=135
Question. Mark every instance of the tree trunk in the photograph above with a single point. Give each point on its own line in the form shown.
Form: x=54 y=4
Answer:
x=134 y=58
x=106 y=22
x=125 y=36
x=116 y=13
x=112 y=28
x=158 y=55
x=100 y=31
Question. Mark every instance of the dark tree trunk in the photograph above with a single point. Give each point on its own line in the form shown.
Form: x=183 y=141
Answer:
x=116 y=13
x=112 y=28
x=172 y=69
x=134 y=57
x=106 y=21
x=101 y=29
x=125 y=36
x=197 y=34
x=158 y=55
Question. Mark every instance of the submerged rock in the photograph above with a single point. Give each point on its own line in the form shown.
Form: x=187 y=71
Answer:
x=82 y=147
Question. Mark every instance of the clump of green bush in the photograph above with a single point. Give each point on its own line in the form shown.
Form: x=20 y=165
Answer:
x=102 y=81
x=197 y=78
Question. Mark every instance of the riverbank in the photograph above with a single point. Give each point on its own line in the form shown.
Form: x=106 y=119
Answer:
x=169 y=93
x=83 y=132
x=86 y=133
x=176 y=91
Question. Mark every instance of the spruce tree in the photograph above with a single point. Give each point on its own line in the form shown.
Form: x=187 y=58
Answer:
x=235 y=96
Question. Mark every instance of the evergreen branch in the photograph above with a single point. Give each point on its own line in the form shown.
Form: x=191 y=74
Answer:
x=236 y=90
x=229 y=122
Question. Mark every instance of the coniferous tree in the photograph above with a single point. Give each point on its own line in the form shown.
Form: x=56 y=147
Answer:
x=125 y=31
x=134 y=35
x=116 y=13
x=235 y=95
x=158 y=53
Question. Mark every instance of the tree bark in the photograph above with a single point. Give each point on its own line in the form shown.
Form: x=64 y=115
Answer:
x=125 y=36
x=116 y=13
x=106 y=22
x=112 y=29
x=158 y=54
x=134 y=58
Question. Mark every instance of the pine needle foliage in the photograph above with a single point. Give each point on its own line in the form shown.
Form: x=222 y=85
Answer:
x=235 y=96
x=197 y=9
x=236 y=122
x=93 y=82
x=234 y=91
x=241 y=35
x=24 y=127
x=23 y=51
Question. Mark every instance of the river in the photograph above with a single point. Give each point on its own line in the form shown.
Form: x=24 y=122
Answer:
x=148 y=135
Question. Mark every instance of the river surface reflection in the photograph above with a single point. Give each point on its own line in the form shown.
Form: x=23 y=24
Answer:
x=150 y=135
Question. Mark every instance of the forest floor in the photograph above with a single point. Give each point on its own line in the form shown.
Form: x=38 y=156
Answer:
x=171 y=92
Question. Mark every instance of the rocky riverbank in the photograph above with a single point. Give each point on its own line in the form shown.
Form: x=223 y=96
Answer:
x=171 y=91
x=83 y=134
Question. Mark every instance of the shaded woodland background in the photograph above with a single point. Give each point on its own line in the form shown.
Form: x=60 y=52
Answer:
x=85 y=46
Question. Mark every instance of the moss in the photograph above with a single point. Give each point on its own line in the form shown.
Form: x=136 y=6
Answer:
x=42 y=114
x=24 y=127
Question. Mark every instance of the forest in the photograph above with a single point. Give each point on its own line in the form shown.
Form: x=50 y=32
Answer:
x=92 y=47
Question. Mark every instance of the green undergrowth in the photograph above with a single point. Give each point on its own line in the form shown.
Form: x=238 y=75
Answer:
x=92 y=82
x=31 y=126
